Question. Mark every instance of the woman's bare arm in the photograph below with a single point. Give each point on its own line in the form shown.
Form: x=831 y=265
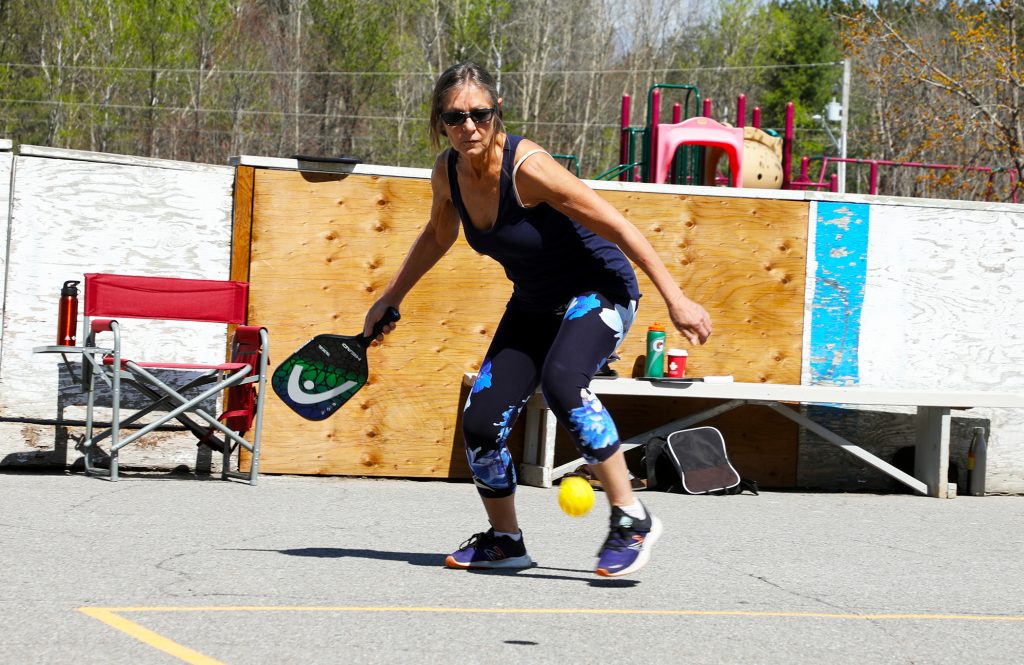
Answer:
x=543 y=180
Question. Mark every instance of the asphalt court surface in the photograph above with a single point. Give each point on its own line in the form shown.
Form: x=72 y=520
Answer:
x=156 y=569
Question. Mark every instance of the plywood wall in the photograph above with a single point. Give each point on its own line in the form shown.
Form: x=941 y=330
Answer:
x=323 y=246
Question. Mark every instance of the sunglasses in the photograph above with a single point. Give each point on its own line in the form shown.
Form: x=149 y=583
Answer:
x=456 y=118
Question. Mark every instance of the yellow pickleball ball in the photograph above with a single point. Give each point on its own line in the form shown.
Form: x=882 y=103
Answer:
x=575 y=496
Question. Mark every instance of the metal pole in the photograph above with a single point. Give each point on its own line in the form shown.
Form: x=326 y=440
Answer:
x=843 y=125
x=653 y=119
x=624 y=136
x=787 y=148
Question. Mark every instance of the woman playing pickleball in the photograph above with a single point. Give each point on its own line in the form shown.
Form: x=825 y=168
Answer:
x=567 y=253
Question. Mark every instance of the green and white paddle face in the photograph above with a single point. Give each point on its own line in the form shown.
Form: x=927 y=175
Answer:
x=326 y=372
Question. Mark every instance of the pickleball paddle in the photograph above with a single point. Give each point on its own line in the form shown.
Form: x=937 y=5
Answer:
x=326 y=371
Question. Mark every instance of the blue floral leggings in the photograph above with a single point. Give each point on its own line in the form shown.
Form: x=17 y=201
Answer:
x=561 y=353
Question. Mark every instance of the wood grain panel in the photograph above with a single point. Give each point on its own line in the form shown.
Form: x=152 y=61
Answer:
x=324 y=245
x=241 y=224
x=744 y=260
x=323 y=248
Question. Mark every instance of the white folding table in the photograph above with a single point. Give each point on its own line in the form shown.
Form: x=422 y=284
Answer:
x=931 y=460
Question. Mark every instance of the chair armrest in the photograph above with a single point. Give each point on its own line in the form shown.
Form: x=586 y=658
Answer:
x=249 y=346
x=105 y=326
x=100 y=325
x=248 y=335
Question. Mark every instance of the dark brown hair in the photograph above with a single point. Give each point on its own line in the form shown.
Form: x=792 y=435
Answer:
x=458 y=76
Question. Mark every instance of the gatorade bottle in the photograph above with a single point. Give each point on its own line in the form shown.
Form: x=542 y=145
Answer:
x=655 y=365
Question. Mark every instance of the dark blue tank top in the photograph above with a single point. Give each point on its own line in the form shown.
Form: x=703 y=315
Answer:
x=548 y=257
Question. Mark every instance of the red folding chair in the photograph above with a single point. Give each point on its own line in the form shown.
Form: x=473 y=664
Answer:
x=109 y=297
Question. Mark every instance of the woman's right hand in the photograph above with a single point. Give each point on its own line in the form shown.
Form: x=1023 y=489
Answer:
x=690 y=319
x=375 y=314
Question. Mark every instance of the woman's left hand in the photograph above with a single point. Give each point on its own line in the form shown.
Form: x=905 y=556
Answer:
x=690 y=319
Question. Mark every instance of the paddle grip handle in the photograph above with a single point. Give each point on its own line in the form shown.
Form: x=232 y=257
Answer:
x=391 y=315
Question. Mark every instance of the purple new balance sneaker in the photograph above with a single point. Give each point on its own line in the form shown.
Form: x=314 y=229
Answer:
x=628 y=546
x=486 y=550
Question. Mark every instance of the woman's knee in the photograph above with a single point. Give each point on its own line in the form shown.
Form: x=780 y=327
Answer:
x=589 y=423
x=493 y=472
x=479 y=428
x=490 y=462
x=562 y=384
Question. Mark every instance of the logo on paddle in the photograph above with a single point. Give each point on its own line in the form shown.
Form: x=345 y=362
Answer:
x=297 y=389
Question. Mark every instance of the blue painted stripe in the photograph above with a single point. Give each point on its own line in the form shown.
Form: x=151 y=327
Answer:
x=841 y=250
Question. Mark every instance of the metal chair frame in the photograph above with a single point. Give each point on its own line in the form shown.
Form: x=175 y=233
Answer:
x=116 y=371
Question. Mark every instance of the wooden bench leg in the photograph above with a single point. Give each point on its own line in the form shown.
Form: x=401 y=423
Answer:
x=539 y=445
x=931 y=452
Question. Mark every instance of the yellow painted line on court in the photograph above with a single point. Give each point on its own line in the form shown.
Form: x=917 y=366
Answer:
x=157 y=641
x=111 y=617
x=566 y=610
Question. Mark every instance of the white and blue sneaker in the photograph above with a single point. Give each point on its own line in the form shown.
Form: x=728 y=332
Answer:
x=628 y=546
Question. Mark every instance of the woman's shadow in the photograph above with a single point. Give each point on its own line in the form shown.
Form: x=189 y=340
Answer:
x=434 y=560
x=414 y=558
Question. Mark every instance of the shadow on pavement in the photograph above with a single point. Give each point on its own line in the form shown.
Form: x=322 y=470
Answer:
x=434 y=560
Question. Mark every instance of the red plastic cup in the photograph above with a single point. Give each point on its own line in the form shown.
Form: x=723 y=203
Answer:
x=676 y=363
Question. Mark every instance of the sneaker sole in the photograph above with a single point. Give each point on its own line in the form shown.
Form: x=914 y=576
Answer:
x=515 y=562
x=643 y=557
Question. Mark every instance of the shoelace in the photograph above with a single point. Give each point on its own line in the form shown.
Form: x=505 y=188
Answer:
x=473 y=540
x=618 y=539
x=621 y=533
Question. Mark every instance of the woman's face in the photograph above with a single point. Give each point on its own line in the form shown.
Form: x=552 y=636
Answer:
x=469 y=138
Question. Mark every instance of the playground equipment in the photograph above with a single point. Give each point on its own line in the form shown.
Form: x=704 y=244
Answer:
x=688 y=150
x=762 y=159
x=824 y=181
x=667 y=139
x=687 y=162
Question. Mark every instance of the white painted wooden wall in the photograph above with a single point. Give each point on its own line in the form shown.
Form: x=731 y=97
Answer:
x=943 y=302
x=75 y=212
x=6 y=182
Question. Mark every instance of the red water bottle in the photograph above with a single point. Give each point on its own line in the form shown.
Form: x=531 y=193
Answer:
x=67 y=319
